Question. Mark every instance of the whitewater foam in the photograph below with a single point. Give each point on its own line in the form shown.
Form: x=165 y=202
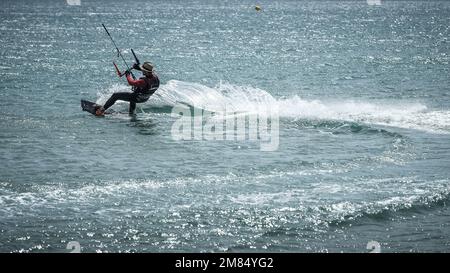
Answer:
x=228 y=97
x=403 y=115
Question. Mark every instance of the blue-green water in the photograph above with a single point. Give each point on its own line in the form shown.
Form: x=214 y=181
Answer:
x=364 y=117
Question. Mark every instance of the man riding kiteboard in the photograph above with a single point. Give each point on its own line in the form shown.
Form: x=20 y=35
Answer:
x=142 y=89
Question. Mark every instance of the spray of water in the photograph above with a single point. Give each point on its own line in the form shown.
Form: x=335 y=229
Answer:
x=254 y=100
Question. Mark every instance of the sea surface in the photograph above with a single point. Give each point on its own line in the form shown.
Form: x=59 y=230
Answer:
x=363 y=98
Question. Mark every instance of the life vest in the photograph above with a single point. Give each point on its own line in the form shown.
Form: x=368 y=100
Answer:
x=150 y=87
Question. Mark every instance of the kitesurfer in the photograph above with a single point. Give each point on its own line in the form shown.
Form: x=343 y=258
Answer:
x=142 y=89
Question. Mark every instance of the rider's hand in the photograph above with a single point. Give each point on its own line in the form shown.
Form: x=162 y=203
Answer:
x=127 y=72
x=136 y=66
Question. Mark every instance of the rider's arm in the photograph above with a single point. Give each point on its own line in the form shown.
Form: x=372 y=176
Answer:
x=137 y=83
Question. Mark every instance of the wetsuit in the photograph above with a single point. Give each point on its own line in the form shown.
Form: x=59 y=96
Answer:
x=143 y=88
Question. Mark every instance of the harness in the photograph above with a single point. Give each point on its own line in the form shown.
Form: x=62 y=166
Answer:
x=143 y=93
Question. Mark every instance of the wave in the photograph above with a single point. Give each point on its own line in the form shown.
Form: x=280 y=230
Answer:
x=337 y=127
x=246 y=99
x=345 y=203
x=402 y=115
x=295 y=206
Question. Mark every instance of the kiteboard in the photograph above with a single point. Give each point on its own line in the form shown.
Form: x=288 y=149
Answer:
x=89 y=106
